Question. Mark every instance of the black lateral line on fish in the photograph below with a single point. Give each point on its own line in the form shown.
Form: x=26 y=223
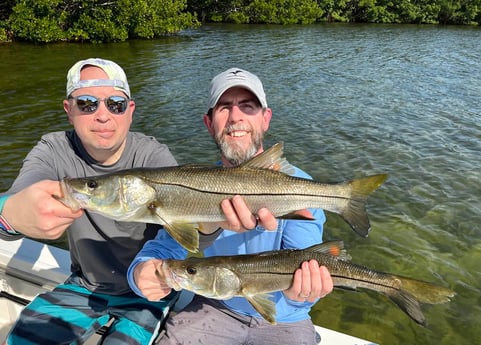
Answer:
x=273 y=273
x=370 y=282
x=255 y=194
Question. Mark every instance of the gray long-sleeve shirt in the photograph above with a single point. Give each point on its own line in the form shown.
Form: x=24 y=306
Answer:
x=101 y=249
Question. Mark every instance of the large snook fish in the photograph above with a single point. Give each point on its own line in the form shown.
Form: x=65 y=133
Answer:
x=254 y=276
x=180 y=197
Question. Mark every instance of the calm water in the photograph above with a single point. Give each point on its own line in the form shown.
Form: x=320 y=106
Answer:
x=348 y=101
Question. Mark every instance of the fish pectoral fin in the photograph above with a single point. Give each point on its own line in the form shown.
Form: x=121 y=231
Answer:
x=296 y=216
x=186 y=234
x=207 y=228
x=264 y=306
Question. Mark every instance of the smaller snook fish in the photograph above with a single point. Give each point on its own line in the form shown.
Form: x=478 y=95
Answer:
x=254 y=276
x=181 y=197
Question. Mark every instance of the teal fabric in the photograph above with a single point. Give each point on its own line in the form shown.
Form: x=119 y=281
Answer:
x=73 y=313
x=3 y=198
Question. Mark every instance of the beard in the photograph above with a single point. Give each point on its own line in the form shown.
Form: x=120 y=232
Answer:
x=235 y=152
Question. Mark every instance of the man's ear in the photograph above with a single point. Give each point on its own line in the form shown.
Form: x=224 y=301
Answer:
x=67 y=108
x=266 y=119
x=208 y=123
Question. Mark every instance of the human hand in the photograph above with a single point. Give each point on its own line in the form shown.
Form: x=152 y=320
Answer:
x=151 y=281
x=310 y=282
x=35 y=213
x=240 y=218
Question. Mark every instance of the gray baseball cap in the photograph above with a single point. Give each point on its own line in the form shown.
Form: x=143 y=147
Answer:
x=116 y=74
x=236 y=77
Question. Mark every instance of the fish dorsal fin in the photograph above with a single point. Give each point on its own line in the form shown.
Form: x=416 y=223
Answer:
x=333 y=248
x=272 y=159
x=264 y=306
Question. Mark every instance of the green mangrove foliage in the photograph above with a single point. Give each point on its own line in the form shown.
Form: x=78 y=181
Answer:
x=119 y=20
x=96 y=20
x=359 y=11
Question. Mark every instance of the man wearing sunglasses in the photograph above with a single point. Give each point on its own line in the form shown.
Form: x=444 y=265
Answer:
x=237 y=119
x=100 y=108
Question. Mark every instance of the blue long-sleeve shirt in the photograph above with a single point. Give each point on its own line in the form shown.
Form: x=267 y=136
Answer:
x=289 y=234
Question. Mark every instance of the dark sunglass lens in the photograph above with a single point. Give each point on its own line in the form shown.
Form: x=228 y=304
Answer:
x=116 y=104
x=87 y=104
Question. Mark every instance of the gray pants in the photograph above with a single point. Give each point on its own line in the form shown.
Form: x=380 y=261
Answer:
x=207 y=321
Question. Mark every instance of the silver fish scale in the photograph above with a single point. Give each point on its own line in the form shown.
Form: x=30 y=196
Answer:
x=179 y=197
x=196 y=192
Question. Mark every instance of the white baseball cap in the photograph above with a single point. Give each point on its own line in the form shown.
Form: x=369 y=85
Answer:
x=116 y=74
x=236 y=77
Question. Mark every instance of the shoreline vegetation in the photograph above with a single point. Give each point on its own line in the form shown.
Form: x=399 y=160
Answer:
x=99 y=21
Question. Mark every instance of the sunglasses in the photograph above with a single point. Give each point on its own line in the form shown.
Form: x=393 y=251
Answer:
x=89 y=104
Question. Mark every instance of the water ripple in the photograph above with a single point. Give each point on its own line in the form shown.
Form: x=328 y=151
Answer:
x=348 y=100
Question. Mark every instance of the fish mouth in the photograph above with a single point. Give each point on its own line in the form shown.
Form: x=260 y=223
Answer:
x=67 y=197
x=171 y=278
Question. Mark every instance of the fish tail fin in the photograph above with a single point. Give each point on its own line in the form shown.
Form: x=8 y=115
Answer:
x=412 y=292
x=409 y=305
x=355 y=213
x=426 y=292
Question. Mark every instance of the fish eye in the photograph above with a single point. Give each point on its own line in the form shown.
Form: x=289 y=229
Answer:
x=92 y=184
x=191 y=270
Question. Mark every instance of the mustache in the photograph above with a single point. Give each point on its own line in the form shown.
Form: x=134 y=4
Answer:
x=237 y=127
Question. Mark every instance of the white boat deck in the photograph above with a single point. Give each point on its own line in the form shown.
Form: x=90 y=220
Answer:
x=28 y=268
